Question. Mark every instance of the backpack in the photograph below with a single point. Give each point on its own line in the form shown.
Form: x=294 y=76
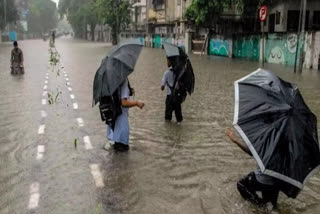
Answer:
x=178 y=91
x=110 y=107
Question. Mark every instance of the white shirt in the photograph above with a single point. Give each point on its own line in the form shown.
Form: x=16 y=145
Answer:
x=168 y=78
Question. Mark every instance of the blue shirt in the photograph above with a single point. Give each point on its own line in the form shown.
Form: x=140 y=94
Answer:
x=168 y=78
x=120 y=133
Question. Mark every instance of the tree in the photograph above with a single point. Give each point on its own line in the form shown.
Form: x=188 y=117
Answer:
x=206 y=13
x=11 y=11
x=115 y=13
x=42 y=16
x=90 y=10
x=80 y=13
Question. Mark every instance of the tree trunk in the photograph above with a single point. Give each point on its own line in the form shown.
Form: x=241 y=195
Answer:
x=92 y=26
x=114 y=35
x=102 y=34
x=85 y=32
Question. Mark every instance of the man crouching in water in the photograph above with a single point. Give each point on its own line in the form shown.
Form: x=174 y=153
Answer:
x=257 y=181
x=16 y=59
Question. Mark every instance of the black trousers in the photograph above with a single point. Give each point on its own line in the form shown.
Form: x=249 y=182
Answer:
x=173 y=108
x=249 y=186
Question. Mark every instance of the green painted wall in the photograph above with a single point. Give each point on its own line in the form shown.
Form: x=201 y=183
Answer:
x=281 y=48
x=157 y=41
x=219 y=47
x=246 y=47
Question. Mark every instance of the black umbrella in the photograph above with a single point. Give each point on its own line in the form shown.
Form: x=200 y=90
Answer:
x=114 y=69
x=277 y=126
x=181 y=66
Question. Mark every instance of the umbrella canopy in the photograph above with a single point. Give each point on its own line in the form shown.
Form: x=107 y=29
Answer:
x=181 y=66
x=115 y=68
x=277 y=126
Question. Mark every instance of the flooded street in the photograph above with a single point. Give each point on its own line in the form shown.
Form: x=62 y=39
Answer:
x=189 y=168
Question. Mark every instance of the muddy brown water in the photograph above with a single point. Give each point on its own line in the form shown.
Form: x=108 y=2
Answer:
x=170 y=168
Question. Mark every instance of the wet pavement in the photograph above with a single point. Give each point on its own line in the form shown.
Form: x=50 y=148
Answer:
x=188 y=168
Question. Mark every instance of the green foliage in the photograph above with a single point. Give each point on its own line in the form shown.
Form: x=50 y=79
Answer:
x=12 y=14
x=80 y=13
x=205 y=13
x=42 y=16
x=115 y=13
x=75 y=143
x=53 y=97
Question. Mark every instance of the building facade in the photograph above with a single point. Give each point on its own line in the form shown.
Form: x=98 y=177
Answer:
x=139 y=16
x=283 y=16
x=167 y=16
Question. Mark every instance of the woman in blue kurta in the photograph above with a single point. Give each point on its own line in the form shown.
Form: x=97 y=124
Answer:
x=120 y=134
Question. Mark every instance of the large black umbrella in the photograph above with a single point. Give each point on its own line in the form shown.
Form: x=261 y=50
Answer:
x=277 y=126
x=115 y=68
x=181 y=66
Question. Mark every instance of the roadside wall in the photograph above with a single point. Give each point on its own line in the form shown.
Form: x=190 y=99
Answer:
x=246 y=47
x=281 y=48
x=154 y=40
x=312 y=51
x=220 y=46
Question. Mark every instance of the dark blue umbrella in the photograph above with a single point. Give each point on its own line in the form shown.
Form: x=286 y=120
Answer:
x=277 y=126
x=115 y=69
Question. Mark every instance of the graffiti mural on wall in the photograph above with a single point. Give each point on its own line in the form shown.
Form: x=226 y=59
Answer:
x=246 y=47
x=219 y=47
x=292 y=40
x=281 y=48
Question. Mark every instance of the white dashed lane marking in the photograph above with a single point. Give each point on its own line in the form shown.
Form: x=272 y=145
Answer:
x=69 y=88
x=45 y=87
x=80 y=122
x=95 y=171
x=34 y=195
x=43 y=114
x=44 y=101
x=87 y=142
x=40 y=152
x=41 y=129
x=75 y=106
x=44 y=93
x=72 y=96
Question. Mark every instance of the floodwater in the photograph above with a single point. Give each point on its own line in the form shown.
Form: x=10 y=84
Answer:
x=189 y=168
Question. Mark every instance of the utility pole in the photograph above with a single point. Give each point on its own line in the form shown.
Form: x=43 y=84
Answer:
x=298 y=38
x=5 y=14
x=303 y=35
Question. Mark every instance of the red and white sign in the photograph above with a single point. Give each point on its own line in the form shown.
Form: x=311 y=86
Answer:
x=263 y=13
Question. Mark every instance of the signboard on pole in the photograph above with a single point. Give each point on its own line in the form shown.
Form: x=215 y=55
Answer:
x=263 y=13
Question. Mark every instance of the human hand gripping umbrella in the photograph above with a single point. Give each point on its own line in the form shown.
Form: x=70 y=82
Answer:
x=115 y=69
x=277 y=126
